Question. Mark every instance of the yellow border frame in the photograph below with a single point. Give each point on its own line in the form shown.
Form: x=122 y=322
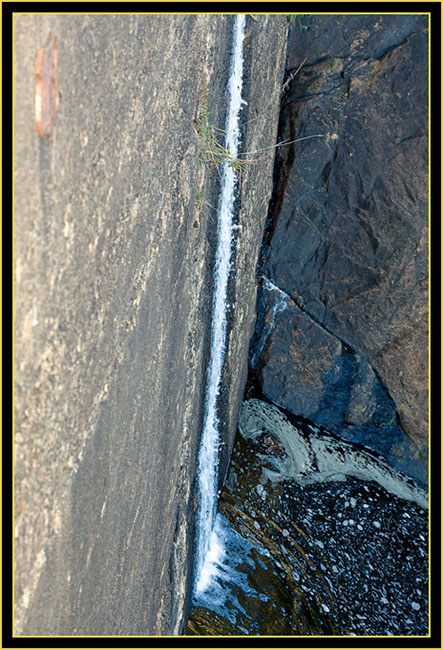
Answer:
x=332 y=13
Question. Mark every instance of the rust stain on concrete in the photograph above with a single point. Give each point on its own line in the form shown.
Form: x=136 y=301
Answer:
x=46 y=88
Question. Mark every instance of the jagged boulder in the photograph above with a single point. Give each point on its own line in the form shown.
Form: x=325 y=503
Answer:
x=347 y=234
x=301 y=365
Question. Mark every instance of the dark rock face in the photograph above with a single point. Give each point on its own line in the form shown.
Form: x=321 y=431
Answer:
x=347 y=234
x=301 y=365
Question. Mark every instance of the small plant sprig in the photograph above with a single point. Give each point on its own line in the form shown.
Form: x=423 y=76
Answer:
x=212 y=153
x=297 y=17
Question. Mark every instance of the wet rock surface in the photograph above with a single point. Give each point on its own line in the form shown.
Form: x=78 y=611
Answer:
x=312 y=454
x=328 y=558
x=299 y=364
x=346 y=236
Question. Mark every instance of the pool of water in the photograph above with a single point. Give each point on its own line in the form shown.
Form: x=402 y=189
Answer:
x=330 y=558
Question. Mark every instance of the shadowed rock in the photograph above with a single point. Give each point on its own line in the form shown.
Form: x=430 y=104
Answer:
x=347 y=232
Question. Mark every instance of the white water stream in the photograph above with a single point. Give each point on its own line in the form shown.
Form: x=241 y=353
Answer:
x=209 y=545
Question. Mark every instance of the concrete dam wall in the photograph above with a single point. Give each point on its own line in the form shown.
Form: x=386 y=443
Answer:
x=115 y=234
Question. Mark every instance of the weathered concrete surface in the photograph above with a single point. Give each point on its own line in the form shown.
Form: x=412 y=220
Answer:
x=113 y=287
x=347 y=238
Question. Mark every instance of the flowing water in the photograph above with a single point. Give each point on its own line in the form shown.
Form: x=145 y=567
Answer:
x=304 y=543
x=208 y=545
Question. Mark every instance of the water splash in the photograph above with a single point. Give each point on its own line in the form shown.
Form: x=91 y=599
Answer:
x=227 y=585
x=207 y=542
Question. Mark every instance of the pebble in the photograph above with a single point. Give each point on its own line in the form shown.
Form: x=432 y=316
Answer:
x=415 y=606
x=325 y=608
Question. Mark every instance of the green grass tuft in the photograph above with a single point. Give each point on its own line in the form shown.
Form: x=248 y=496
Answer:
x=212 y=153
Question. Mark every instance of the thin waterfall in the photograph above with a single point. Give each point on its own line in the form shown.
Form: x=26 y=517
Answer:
x=208 y=547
